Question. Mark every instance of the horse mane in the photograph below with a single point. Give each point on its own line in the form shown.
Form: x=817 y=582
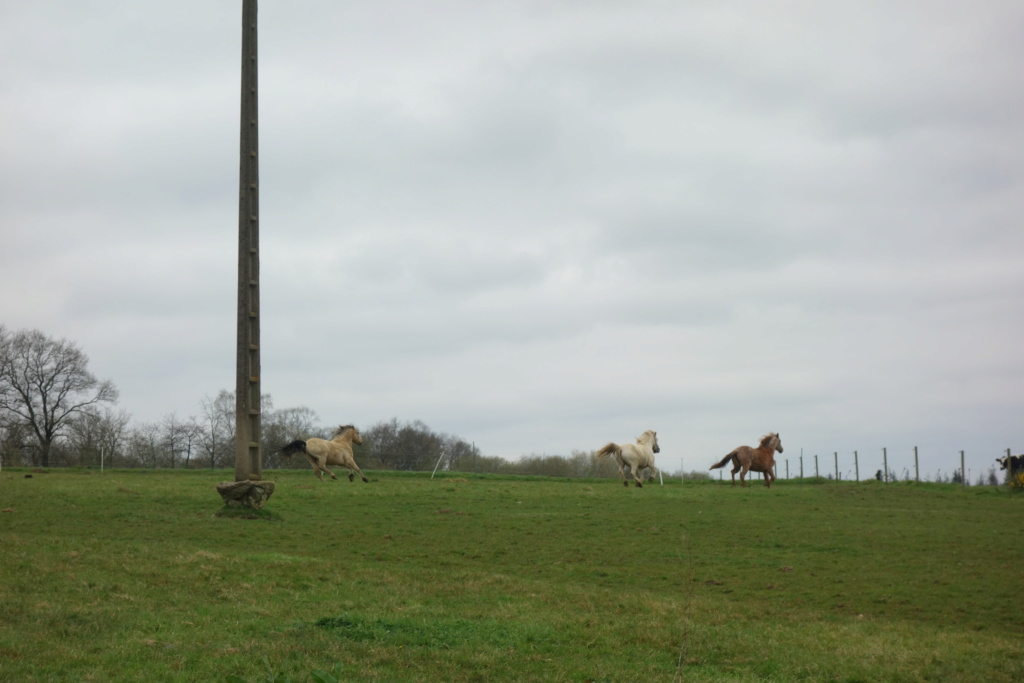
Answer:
x=344 y=428
x=766 y=440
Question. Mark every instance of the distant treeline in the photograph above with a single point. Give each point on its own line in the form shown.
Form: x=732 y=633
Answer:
x=105 y=437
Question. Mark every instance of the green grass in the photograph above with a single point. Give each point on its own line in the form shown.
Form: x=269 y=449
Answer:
x=135 y=576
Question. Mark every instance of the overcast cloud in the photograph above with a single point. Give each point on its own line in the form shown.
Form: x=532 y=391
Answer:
x=540 y=226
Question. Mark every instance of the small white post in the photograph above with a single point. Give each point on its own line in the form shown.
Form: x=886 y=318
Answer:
x=436 y=466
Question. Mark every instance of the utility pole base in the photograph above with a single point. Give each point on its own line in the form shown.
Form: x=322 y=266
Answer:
x=251 y=493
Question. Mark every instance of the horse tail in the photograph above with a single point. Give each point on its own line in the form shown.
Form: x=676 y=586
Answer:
x=609 y=450
x=723 y=462
x=297 y=446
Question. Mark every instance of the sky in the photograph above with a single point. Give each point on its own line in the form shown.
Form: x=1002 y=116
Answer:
x=540 y=226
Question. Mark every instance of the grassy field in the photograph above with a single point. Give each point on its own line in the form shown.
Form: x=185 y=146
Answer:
x=132 y=575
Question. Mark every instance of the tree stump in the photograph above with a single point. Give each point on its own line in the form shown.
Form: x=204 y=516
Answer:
x=251 y=494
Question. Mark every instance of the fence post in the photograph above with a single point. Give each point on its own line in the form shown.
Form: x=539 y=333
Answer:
x=437 y=465
x=917 y=470
x=885 y=466
x=801 y=466
x=787 y=468
x=1009 y=471
x=963 y=472
x=856 y=466
x=836 y=454
x=816 y=475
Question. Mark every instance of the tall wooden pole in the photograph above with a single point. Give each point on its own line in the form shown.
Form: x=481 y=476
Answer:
x=248 y=461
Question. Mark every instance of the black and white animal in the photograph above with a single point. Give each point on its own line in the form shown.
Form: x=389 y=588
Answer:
x=1013 y=464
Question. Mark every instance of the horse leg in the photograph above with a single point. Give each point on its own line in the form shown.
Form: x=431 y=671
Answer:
x=743 y=477
x=622 y=473
x=323 y=466
x=316 y=466
x=734 y=471
x=361 y=475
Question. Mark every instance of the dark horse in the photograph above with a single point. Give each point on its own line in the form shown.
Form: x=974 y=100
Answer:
x=760 y=459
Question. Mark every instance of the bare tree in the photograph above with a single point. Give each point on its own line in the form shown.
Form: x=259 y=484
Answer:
x=180 y=438
x=93 y=432
x=456 y=450
x=191 y=433
x=218 y=428
x=144 y=445
x=45 y=382
x=408 y=446
x=114 y=431
x=173 y=437
x=16 y=444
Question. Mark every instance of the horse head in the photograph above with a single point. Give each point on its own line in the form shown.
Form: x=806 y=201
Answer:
x=356 y=438
x=776 y=441
x=651 y=436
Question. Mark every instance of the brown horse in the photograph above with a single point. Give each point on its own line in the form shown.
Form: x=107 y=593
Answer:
x=760 y=459
x=337 y=451
x=635 y=455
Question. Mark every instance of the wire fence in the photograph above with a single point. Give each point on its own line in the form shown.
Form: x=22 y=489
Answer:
x=854 y=466
x=881 y=467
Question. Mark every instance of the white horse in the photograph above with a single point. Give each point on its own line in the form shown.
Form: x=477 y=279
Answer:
x=337 y=451
x=636 y=455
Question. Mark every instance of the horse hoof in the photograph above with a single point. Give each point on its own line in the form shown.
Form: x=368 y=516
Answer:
x=639 y=485
x=365 y=480
x=626 y=484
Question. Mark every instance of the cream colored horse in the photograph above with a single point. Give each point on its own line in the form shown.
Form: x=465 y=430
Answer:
x=337 y=451
x=637 y=455
x=760 y=459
